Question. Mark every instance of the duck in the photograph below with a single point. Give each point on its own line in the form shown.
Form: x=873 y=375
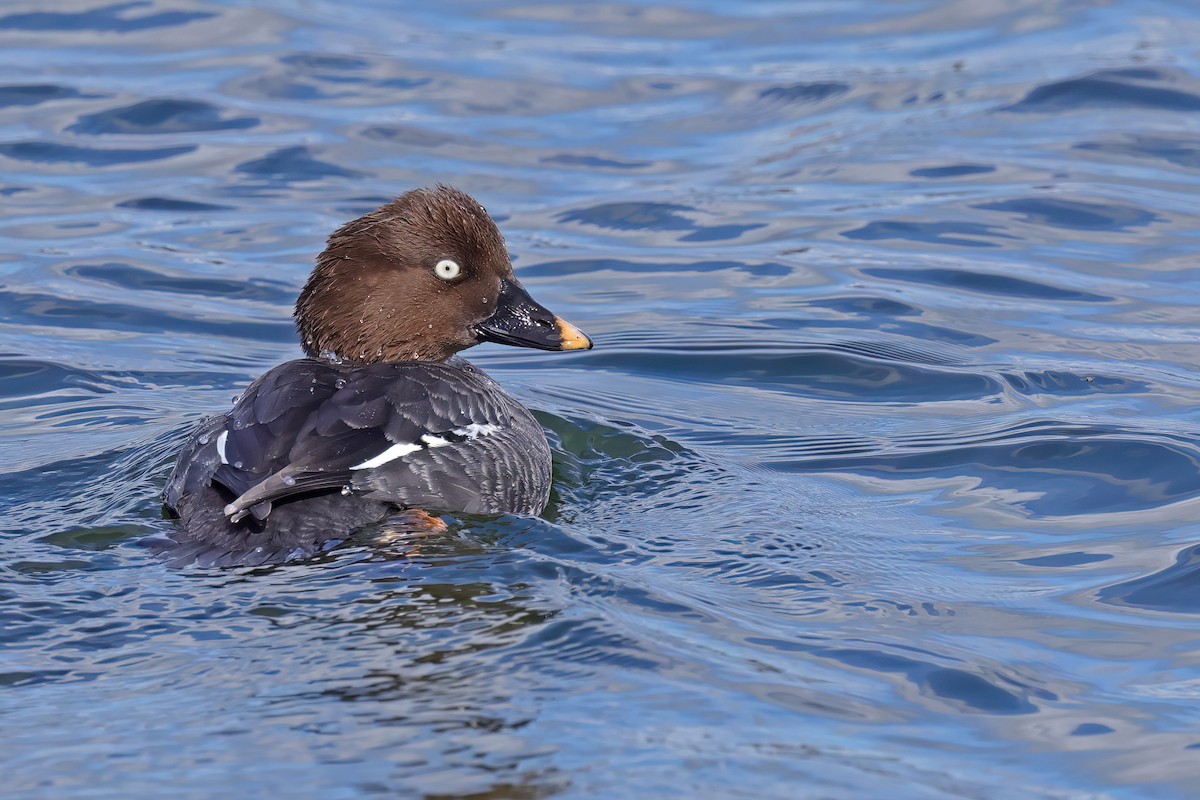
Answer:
x=381 y=415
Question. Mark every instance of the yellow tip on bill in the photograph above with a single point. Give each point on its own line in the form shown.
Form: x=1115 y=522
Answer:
x=572 y=337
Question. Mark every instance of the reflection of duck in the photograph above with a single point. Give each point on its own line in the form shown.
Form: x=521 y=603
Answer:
x=381 y=414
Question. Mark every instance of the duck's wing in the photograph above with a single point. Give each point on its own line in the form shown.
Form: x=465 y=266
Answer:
x=308 y=426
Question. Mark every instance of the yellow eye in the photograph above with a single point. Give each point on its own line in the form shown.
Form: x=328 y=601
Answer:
x=447 y=269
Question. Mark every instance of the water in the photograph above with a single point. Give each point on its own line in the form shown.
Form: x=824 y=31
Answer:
x=881 y=481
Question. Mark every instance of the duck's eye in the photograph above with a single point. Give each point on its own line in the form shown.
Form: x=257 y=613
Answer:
x=447 y=269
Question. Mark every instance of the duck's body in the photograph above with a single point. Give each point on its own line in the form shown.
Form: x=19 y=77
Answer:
x=314 y=450
x=319 y=447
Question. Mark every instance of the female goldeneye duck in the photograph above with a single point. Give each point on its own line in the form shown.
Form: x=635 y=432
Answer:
x=381 y=415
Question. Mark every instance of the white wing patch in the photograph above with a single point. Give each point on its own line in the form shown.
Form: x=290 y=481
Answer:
x=472 y=431
x=221 y=447
x=391 y=454
x=476 y=429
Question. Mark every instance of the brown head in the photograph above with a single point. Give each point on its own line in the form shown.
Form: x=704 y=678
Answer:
x=419 y=279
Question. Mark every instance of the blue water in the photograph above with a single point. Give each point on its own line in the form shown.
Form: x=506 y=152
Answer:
x=881 y=481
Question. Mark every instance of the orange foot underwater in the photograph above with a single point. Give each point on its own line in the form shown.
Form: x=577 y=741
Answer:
x=409 y=527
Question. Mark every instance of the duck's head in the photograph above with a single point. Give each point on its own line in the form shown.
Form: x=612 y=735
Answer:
x=419 y=279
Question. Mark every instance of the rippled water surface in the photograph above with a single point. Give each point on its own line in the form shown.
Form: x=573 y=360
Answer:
x=881 y=481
